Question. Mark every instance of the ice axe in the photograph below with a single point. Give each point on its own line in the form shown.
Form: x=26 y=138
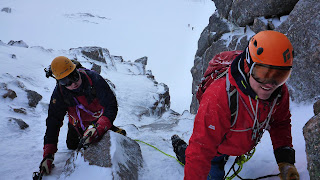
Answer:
x=83 y=140
x=38 y=175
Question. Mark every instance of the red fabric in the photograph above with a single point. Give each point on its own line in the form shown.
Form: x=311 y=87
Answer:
x=223 y=59
x=217 y=65
x=211 y=133
x=94 y=107
x=103 y=125
x=49 y=149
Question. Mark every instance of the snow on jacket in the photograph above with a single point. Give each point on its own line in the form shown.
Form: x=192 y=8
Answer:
x=212 y=135
x=97 y=98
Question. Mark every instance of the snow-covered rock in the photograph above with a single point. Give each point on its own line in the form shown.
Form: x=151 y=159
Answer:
x=6 y=9
x=20 y=43
x=117 y=156
x=311 y=132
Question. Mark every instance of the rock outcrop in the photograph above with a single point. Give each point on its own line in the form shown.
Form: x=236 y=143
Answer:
x=19 y=122
x=97 y=56
x=20 y=43
x=33 y=98
x=120 y=157
x=311 y=133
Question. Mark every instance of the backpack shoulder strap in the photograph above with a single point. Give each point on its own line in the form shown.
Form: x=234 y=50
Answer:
x=85 y=73
x=93 y=90
x=232 y=100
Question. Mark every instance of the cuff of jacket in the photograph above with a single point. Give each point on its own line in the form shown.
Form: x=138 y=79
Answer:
x=49 y=149
x=285 y=154
x=103 y=124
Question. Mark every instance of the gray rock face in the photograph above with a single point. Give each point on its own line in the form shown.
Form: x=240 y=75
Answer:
x=223 y=7
x=33 y=98
x=20 y=110
x=18 y=43
x=302 y=28
x=19 y=122
x=96 y=68
x=95 y=53
x=10 y=94
x=311 y=132
x=120 y=154
x=216 y=28
x=316 y=107
x=163 y=104
x=6 y=9
x=244 y=12
x=259 y=25
x=141 y=63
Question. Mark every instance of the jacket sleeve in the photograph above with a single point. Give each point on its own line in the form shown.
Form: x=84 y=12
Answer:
x=57 y=111
x=280 y=130
x=212 y=122
x=280 y=127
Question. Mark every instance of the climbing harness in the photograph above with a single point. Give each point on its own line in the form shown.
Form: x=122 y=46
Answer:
x=240 y=160
x=159 y=151
x=80 y=106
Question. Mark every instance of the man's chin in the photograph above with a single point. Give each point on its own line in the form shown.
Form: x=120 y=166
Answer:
x=264 y=96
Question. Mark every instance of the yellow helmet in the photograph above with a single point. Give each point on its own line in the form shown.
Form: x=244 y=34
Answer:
x=61 y=67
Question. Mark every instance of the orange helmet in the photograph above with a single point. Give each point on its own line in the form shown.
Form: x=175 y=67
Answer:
x=270 y=56
x=271 y=48
x=61 y=67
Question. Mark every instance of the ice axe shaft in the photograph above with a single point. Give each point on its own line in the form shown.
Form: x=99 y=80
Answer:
x=83 y=140
x=38 y=175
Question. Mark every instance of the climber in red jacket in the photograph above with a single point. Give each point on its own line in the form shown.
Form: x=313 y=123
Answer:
x=259 y=75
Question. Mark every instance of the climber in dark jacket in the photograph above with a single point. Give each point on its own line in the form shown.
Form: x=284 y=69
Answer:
x=90 y=103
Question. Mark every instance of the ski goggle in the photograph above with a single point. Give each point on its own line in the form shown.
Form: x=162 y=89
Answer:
x=267 y=74
x=71 y=78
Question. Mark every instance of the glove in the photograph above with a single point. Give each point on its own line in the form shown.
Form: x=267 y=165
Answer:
x=94 y=134
x=288 y=171
x=90 y=135
x=46 y=163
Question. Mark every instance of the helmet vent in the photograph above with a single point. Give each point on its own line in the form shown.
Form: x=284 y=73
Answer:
x=255 y=43
x=260 y=50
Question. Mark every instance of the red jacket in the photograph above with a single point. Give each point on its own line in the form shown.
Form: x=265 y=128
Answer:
x=212 y=135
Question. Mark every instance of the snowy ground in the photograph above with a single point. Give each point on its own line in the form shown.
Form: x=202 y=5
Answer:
x=132 y=29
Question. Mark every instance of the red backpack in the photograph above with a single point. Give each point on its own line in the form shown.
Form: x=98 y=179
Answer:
x=217 y=68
